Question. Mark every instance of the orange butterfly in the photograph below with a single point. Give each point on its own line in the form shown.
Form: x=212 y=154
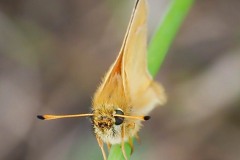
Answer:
x=127 y=93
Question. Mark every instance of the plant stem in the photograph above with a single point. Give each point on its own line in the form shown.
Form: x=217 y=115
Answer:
x=116 y=152
x=162 y=39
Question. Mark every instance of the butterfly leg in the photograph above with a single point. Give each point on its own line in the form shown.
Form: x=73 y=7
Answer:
x=138 y=138
x=122 y=145
x=109 y=146
x=130 y=141
x=100 y=143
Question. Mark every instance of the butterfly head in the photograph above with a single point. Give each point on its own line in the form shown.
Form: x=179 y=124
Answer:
x=104 y=120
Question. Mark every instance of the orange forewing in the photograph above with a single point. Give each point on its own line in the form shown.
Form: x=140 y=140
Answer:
x=134 y=80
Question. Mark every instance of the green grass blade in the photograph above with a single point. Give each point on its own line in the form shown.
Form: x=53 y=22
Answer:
x=157 y=51
x=165 y=34
x=116 y=152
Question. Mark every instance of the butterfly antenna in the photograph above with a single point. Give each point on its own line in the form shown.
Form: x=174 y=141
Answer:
x=51 y=117
x=143 y=118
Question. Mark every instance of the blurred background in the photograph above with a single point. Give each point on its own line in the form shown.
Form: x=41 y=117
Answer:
x=54 y=53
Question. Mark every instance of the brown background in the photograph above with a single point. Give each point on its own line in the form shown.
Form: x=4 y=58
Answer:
x=53 y=54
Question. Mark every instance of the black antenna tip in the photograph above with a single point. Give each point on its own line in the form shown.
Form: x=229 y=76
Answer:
x=146 y=118
x=40 y=117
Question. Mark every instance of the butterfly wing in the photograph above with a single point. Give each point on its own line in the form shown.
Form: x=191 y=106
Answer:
x=144 y=92
x=129 y=72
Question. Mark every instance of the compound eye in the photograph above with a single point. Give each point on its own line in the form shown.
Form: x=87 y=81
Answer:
x=119 y=120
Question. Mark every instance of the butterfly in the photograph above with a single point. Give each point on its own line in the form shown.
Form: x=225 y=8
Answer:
x=128 y=92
